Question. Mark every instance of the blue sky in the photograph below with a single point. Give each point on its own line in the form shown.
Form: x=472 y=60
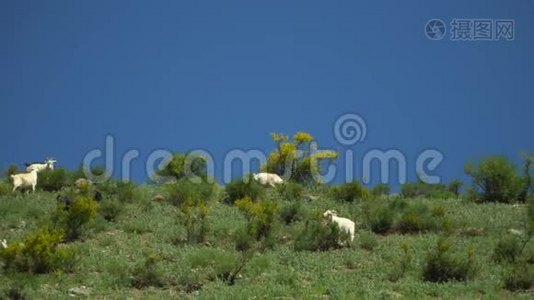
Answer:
x=220 y=75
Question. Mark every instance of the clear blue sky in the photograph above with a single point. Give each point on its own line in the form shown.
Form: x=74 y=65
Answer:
x=220 y=75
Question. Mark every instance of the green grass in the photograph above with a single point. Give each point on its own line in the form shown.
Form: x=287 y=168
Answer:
x=111 y=253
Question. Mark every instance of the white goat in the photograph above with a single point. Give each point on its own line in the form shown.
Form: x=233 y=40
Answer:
x=25 y=180
x=3 y=243
x=48 y=164
x=344 y=224
x=268 y=179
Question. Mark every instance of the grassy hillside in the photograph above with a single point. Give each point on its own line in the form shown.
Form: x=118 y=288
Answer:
x=144 y=252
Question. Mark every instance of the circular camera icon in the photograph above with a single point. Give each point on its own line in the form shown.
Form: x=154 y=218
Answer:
x=435 y=29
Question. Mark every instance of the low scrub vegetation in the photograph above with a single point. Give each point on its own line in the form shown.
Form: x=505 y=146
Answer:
x=444 y=264
x=244 y=240
x=496 y=179
x=400 y=215
x=38 y=252
x=350 y=192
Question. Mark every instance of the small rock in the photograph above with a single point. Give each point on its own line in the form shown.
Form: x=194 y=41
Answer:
x=80 y=291
x=515 y=231
x=158 y=198
x=22 y=225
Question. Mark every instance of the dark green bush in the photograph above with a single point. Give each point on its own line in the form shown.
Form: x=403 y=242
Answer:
x=185 y=193
x=403 y=263
x=244 y=239
x=196 y=224
x=12 y=169
x=176 y=167
x=4 y=188
x=350 y=192
x=291 y=213
x=77 y=219
x=519 y=277
x=53 y=180
x=507 y=249
x=192 y=200
x=319 y=237
x=291 y=191
x=124 y=191
x=425 y=190
x=110 y=209
x=368 y=240
x=443 y=265
x=380 y=216
x=38 y=252
x=418 y=217
x=381 y=189
x=147 y=274
x=243 y=188
x=213 y=263
x=400 y=215
x=454 y=187
x=495 y=179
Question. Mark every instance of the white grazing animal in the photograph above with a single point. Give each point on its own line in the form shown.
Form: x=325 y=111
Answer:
x=3 y=243
x=48 y=164
x=344 y=224
x=268 y=179
x=25 y=180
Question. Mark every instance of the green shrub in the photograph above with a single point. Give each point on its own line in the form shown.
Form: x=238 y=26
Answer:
x=38 y=252
x=380 y=216
x=507 y=249
x=454 y=187
x=519 y=277
x=192 y=199
x=495 y=179
x=76 y=220
x=319 y=237
x=243 y=239
x=260 y=216
x=176 y=167
x=53 y=180
x=304 y=168
x=418 y=217
x=196 y=224
x=368 y=240
x=350 y=192
x=213 y=263
x=402 y=265
x=11 y=170
x=444 y=265
x=291 y=213
x=14 y=293
x=381 y=189
x=147 y=274
x=291 y=191
x=184 y=193
x=400 y=215
x=425 y=190
x=4 y=188
x=243 y=188
x=110 y=209
x=124 y=191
